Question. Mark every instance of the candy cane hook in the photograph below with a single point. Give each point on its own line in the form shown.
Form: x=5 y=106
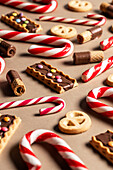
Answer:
x=61 y=146
x=102 y=20
x=107 y=43
x=32 y=7
x=96 y=105
x=61 y=104
x=65 y=46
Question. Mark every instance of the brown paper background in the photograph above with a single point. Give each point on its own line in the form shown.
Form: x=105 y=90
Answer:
x=75 y=98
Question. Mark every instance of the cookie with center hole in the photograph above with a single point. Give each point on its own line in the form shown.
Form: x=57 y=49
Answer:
x=64 y=32
x=79 y=6
x=75 y=122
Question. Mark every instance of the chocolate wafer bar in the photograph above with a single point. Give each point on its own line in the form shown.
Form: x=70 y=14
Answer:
x=51 y=76
x=21 y=22
x=87 y=57
x=15 y=82
x=6 y=49
x=89 y=34
x=8 y=125
x=103 y=143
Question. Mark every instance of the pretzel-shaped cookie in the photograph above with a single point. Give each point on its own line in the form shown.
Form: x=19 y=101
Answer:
x=75 y=122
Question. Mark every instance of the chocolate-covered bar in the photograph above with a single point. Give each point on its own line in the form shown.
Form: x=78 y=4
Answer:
x=8 y=125
x=103 y=143
x=16 y=83
x=20 y=22
x=89 y=34
x=51 y=76
x=87 y=57
x=107 y=8
x=6 y=49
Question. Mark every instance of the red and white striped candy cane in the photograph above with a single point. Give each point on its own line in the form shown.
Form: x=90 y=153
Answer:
x=2 y=65
x=101 y=18
x=51 y=99
x=42 y=135
x=32 y=7
x=107 y=43
x=65 y=46
x=98 y=106
x=97 y=69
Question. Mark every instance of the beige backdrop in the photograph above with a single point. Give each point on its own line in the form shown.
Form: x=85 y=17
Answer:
x=75 y=99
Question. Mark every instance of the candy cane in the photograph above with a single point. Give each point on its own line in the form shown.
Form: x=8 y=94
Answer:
x=61 y=146
x=32 y=7
x=102 y=20
x=107 y=43
x=66 y=46
x=98 y=106
x=97 y=69
x=2 y=65
x=61 y=104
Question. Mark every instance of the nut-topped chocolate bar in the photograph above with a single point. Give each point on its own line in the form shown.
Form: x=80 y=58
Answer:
x=104 y=144
x=51 y=76
x=20 y=22
x=8 y=125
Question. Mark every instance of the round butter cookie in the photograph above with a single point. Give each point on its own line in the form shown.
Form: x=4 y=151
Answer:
x=79 y=6
x=64 y=32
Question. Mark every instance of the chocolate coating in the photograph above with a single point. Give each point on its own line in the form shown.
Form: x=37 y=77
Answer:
x=6 y=49
x=105 y=138
x=96 y=32
x=30 y=26
x=109 y=10
x=12 y=75
x=81 y=57
x=5 y=124
x=66 y=83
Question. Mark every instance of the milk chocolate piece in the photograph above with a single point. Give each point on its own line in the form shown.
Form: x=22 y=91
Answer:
x=89 y=34
x=51 y=76
x=8 y=125
x=104 y=144
x=16 y=83
x=6 y=49
x=81 y=57
x=87 y=57
x=20 y=22
x=96 y=32
x=107 y=8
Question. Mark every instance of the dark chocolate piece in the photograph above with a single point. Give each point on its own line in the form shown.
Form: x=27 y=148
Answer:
x=6 y=49
x=52 y=77
x=81 y=57
x=6 y=124
x=16 y=83
x=105 y=138
x=20 y=22
x=96 y=32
